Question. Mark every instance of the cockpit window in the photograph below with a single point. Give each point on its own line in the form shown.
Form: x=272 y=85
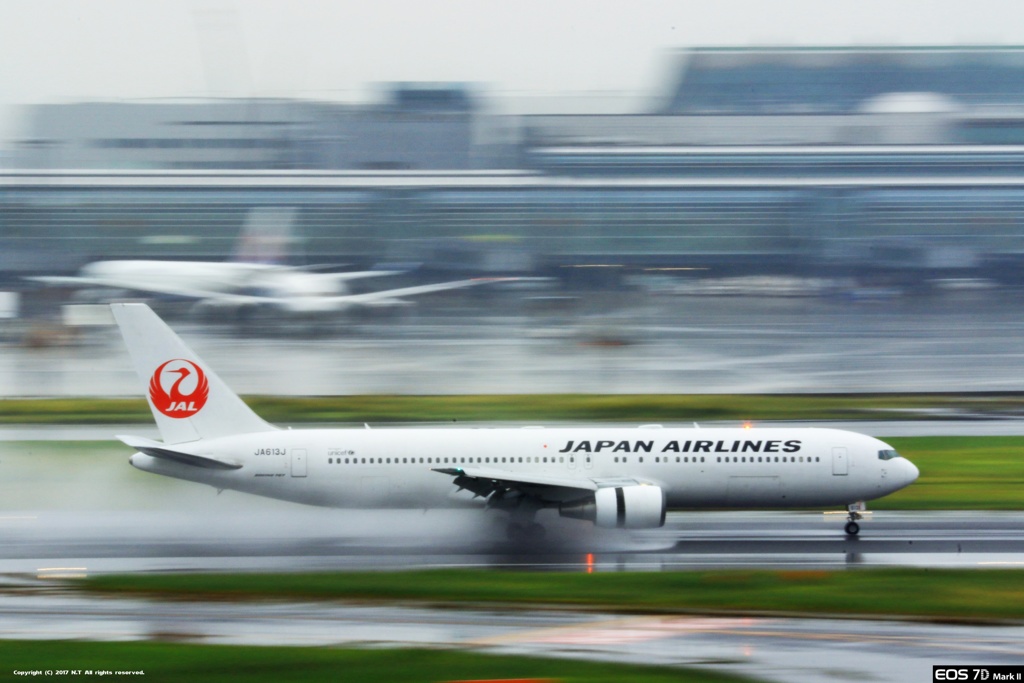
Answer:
x=887 y=455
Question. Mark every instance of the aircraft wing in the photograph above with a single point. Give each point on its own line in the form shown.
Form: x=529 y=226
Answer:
x=392 y=297
x=162 y=451
x=486 y=481
x=361 y=274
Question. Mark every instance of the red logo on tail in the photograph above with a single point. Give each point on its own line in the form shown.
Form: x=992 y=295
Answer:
x=185 y=376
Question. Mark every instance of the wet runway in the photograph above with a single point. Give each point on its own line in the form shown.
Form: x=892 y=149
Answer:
x=644 y=344
x=41 y=548
x=271 y=538
x=766 y=648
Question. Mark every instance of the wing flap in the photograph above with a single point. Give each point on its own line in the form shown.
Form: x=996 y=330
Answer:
x=486 y=481
x=156 y=449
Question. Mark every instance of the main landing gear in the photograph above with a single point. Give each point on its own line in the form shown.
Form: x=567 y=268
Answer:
x=854 y=509
x=522 y=511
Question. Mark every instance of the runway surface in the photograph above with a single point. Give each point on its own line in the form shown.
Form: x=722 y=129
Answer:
x=635 y=343
x=767 y=648
x=301 y=539
x=225 y=534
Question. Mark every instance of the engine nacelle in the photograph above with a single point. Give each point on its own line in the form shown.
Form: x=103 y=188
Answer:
x=620 y=507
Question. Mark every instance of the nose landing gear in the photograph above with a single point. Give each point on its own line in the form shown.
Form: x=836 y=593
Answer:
x=854 y=509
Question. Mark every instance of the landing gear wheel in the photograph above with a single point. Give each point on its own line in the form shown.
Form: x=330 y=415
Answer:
x=852 y=528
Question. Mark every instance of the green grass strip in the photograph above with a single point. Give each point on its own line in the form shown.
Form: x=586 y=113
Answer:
x=937 y=594
x=223 y=664
x=960 y=473
x=541 y=408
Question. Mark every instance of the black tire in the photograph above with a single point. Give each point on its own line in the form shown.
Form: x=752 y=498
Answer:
x=852 y=528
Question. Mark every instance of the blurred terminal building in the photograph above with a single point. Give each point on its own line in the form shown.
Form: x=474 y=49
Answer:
x=884 y=164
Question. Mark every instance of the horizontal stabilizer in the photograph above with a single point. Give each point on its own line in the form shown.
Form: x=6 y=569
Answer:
x=156 y=449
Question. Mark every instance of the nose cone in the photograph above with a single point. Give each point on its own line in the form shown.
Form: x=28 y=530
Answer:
x=908 y=472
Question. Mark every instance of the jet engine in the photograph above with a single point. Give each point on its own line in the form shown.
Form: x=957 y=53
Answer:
x=622 y=507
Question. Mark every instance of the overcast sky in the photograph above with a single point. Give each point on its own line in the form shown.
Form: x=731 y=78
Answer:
x=68 y=50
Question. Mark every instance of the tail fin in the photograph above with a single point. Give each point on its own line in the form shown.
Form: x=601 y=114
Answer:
x=188 y=400
x=267 y=236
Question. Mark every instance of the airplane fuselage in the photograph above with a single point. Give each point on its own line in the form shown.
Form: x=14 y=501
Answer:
x=213 y=277
x=695 y=468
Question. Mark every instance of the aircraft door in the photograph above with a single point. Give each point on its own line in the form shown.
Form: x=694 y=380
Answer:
x=298 y=462
x=572 y=461
x=840 y=462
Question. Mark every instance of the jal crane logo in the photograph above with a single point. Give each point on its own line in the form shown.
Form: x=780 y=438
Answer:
x=188 y=391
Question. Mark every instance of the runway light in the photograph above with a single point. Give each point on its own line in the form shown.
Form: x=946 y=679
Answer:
x=590 y=563
x=747 y=425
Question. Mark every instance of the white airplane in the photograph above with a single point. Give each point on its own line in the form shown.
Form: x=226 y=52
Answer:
x=611 y=476
x=237 y=286
x=251 y=280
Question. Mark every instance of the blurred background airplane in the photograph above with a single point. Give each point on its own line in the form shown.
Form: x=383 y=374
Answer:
x=255 y=279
